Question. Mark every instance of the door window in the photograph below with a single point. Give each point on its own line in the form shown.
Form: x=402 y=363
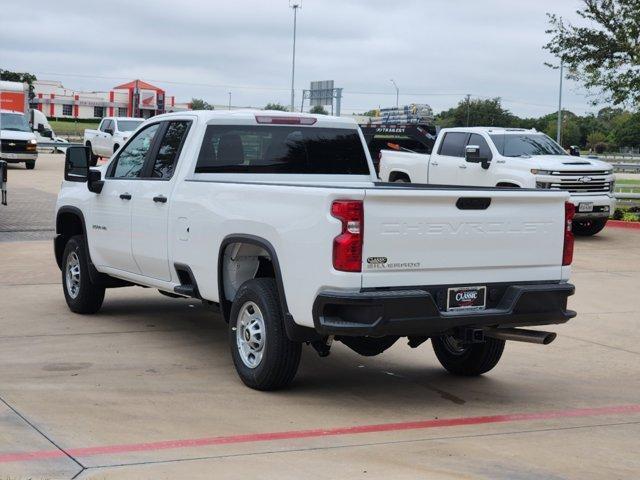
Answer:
x=106 y=124
x=485 y=151
x=169 y=150
x=453 y=144
x=130 y=160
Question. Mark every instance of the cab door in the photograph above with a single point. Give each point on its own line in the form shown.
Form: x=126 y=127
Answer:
x=150 y=207
x=102 y=138
x=446 y=165
x=109 y=212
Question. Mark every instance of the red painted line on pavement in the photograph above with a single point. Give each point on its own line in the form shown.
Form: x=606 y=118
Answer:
x=621 y=224
x=321 y=432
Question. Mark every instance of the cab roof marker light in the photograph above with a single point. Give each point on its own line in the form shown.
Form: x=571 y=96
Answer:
x=282 y=120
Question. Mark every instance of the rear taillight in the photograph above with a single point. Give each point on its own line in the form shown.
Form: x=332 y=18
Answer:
x=567 y=252
x=347 y=247
x=284 y=120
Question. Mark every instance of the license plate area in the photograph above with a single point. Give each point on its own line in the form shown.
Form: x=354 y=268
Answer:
x=585 y=207
x=466 y=298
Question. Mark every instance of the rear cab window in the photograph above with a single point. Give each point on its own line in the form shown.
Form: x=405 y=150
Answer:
x=453 y=144
x=280 y=149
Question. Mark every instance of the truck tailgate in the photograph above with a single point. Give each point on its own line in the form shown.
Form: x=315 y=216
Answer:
x=425 y=236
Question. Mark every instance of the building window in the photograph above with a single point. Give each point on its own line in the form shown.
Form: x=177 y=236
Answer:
x=98 y=112
x=67 y=110
x=122 y=111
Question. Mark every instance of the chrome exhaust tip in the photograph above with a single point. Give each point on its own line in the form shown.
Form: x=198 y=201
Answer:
x=521 y=335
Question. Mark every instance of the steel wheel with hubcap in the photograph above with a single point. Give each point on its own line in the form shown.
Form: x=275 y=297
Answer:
x=263 y=355
x=250 y=334
x=81 y=294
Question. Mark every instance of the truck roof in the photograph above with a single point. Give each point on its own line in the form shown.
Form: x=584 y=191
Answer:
x=498 y=130
x=216 y=116
x=124 y=118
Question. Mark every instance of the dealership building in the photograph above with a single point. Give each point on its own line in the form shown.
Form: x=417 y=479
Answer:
x=133 y=99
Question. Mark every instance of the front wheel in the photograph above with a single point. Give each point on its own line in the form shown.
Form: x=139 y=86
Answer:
x=585 y=228
x=31 y=164
x=93 y=161
x=81 y=294
x=263 y=355
x=467 y=360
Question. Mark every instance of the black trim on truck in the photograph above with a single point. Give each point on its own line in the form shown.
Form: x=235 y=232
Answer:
x=419 y=312
x=294 y=331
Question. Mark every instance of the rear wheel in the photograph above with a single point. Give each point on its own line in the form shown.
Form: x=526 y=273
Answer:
x=467 y=359
x=587 y=228
x=115 y=148
x=263 y=355
x=81 y=294
x=31 y=164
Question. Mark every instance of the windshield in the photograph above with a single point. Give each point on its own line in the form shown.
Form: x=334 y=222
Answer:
x=14 y=121
x=128 y=125
x=526 y=145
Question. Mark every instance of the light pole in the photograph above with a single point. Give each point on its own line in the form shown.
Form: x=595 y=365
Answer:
x=229 y=100
x=559 y=128
x=295 y=5
x=397 y=92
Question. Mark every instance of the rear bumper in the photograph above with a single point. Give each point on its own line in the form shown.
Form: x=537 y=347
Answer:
x=415 y=312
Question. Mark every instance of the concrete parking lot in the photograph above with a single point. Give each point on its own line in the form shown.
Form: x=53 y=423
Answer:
x=147 y=389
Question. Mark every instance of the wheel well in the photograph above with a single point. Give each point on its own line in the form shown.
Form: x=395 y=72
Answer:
x=115 y=147
x=68 y=224
x=507 y=185
x=240 y=262
x=393 y=176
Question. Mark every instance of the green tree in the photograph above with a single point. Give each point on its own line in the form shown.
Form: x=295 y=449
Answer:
x=597 y=142
x=24 y=77
x=275 y=106
x=200 y=104
x=626 y=131
x=570 y=128
x=479 y=112
x=319 y=109
x=604 y=54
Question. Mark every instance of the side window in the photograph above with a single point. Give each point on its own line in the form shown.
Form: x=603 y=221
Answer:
x=169 y=150
x=485 y=151
x=453 y=144
x=131 y=158
x=104 y=125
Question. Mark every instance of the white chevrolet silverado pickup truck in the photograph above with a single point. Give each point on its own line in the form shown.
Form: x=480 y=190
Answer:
x=111 y=134
x=509 y=157
x=278 y=219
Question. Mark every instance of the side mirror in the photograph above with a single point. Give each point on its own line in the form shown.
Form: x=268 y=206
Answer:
x=109 y=131
x=76 y=164
x=40 y=128
x=47 y=133
x=472 y=155
x=94 y=183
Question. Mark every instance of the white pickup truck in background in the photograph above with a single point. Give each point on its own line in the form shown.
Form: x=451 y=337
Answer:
x=509 y=157
x=111 y=134
x=278 y=219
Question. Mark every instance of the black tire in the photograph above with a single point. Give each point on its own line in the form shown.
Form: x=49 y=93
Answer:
x=88 y=297
x=115 y=148
x=31 y=164
x=469 y=360
x=586 y=228
x=93 y=161
x=279 y=356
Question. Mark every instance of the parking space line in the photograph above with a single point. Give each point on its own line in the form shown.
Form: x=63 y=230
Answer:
x=315 y=433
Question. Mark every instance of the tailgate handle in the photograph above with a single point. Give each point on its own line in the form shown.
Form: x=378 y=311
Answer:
x=473 y=203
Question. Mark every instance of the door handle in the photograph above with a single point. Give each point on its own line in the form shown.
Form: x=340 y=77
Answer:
x=462 y=165
x=160 y=199
x=434 y=164
x=125 y=196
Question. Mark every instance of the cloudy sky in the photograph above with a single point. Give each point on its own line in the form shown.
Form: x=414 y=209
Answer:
x=436 y=50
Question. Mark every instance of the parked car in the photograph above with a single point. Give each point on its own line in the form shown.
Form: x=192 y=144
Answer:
x=511 y=158
x=112 y=133
x=278 y=220
x=18 y=144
